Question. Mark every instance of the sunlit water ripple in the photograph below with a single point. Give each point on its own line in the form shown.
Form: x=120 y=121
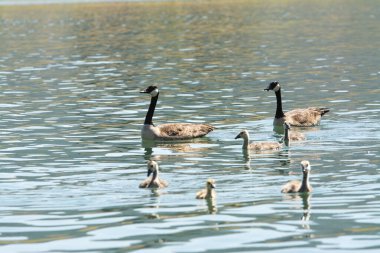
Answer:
x=70 y=114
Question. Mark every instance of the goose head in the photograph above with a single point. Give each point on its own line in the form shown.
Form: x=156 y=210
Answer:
x=275 y=86
x=152 y=90
x=152 y=167
x=243 y=134
x=305 y=165
x=210 y=184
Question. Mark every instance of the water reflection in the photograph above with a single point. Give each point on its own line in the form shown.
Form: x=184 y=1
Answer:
x=160 y=150
x=305 y=199
x=211 y=205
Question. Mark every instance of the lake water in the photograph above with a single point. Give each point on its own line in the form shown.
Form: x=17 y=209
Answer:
x=71 y=155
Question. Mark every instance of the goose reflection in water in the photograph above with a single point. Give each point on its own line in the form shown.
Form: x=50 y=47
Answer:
x=166 y=149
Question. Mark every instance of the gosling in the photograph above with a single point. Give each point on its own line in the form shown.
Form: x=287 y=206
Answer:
x=292 y=136
x=209 y=192
x=153 y=181
x=257 y=146
x=295 y=186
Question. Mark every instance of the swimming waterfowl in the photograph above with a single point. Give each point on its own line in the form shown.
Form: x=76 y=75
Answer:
x=153 y=181
x=257 y=146
x=175 y=131
x=290 y=135
x=297 y=186
x=209 y=192
x=306 y=117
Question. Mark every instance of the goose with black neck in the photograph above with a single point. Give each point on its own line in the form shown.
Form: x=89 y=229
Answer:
x=305 y=117
x=168 y=132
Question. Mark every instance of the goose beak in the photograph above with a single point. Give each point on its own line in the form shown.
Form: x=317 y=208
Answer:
x=149 y=172
x=144 y=91
x=213 y=186
x=267 y=89
x=238 y=136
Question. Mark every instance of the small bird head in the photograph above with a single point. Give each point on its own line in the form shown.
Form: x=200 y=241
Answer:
x=152 y=90
x=305 y=165
x=210 y=184
x=152 y=167
x=275 y=86
x=286 y=126
x=243 y=134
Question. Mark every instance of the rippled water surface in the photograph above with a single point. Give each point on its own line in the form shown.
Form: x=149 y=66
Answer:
x=71 y=155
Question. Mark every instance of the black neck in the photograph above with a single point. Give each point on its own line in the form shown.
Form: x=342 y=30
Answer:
x=279 y=112
x=286 y=137
x=149 y=114
x=305 y=183
x=154 y=176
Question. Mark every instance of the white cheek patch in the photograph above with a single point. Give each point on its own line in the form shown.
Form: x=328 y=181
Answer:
x=154 y=92
x=277 y=88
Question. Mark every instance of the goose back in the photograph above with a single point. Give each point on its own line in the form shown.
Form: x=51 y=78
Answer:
x=305 y=117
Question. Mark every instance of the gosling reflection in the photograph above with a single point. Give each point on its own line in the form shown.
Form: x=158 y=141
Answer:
x=306 y=207
x=211 y=206
x=247 y=159
x=153 y=180
x=305 y=197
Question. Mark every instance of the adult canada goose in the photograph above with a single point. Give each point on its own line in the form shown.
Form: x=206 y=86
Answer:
x=257 y=146
x=290 y=135
x=306 y=117
x=153 y=181
x=297 y=186
x=175 y=131
x=209 y=192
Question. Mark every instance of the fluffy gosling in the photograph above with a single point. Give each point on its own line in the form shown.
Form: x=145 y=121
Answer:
x=257 y=146
x=297 y=186
x=209 y=192
x=153 y=181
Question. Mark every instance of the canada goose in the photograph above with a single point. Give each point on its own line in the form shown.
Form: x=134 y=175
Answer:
x=298 y=117
x=209 y=192
x=175 y=131
x=290 y=135
x=297 y=186
x=153 y=181
x=257 y=146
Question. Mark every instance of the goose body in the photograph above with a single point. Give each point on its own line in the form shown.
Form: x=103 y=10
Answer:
x=153 y=181
x=257 y=146
x=295 y=186
x=305 y=117
x=209 y=192
x=174 y=131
